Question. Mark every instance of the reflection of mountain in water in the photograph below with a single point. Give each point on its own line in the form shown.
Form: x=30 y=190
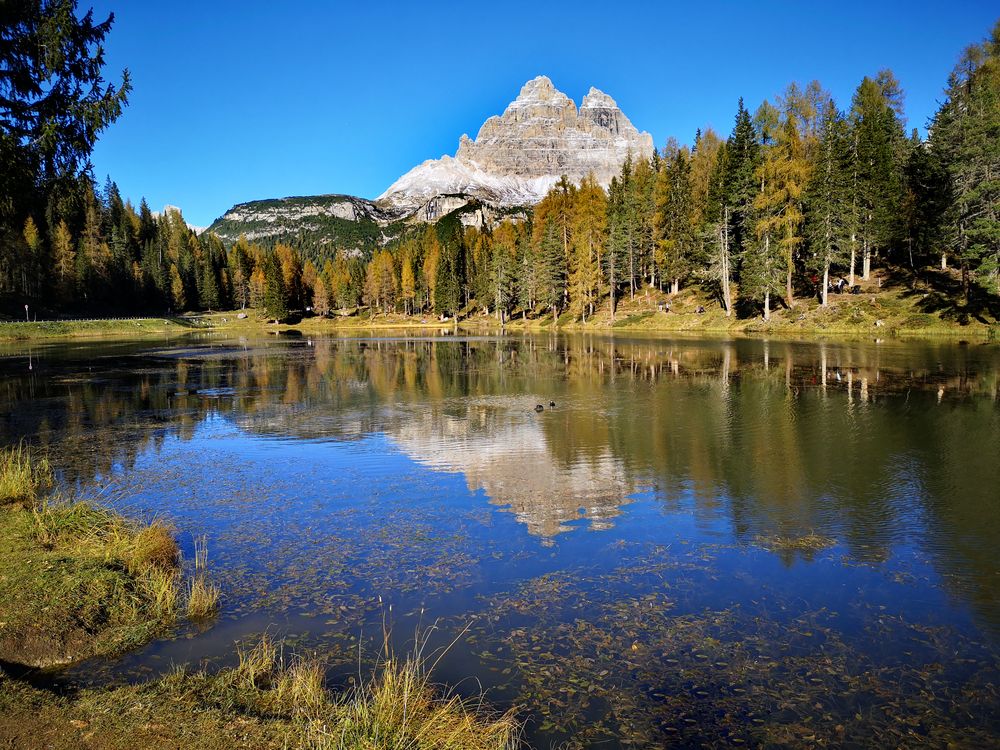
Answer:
x=872 y=445
x=502 y=450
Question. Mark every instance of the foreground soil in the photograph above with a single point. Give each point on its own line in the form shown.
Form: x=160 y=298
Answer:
x=152 y=716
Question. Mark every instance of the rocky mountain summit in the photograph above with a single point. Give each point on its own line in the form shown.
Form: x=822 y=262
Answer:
x=518 y=156
x=513 y=162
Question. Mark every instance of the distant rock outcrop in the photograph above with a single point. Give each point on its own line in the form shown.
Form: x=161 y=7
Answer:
x=519 y=155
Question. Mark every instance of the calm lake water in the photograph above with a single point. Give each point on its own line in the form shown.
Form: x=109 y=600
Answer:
x=702 y=543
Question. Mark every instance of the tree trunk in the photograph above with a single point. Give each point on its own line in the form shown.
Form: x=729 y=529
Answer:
x=788 y=287
x=867 y=266
x=826 y=283
x=675 y=286
x=850 y=276
x=727 y=299
x=767 y=305
x=944 y=261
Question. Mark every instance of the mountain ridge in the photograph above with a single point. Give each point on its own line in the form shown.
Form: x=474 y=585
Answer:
x=513 y=162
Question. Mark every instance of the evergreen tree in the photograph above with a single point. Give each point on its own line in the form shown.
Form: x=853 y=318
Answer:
x=675 y=218
x=828 y=199
x=878 y=150
x=275 y=291
x=53 y=103
x=503 y=260
x=928 y=198
x=446 y=287
x=546 y=280
x=740 y=184
x=721 y=260
x=966 y=135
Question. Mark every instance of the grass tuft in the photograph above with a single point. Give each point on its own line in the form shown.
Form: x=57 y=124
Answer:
x=400 y=708
x=202 y=598
x=300 y=688
x=24 y=476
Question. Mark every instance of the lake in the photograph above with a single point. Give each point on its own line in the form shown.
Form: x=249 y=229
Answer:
x=700 y=542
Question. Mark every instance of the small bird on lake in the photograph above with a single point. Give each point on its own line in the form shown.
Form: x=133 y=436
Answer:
x=539 y=407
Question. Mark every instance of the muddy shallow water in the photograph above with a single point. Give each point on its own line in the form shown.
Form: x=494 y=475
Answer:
x=702 y=543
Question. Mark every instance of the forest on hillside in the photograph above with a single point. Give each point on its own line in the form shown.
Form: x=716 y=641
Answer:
x=802 y=194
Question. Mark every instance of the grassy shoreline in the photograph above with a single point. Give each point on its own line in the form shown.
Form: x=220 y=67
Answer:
x=69 y=329
x=265 y=703
x=896 y=310
x=78 y=581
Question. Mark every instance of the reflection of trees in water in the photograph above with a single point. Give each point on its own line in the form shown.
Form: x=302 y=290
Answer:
x=861 y=442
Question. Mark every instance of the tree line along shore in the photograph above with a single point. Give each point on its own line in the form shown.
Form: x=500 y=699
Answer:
x=805 y=198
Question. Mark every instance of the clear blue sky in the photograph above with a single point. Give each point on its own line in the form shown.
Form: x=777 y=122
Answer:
x=235 y=101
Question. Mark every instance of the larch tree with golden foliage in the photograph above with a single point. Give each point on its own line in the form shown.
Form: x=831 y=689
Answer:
x=588 y=240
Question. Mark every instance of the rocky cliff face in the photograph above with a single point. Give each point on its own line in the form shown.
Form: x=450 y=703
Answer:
x=514 y=161
x=518 y=156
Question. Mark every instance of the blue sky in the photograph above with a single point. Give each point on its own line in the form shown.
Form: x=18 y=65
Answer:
x=236 y=101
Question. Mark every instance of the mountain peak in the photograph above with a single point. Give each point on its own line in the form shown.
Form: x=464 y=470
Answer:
x=517 y=156
x=536 y=84
x=597 y=98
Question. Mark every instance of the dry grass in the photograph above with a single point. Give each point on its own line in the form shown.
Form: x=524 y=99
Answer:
x=400 y=709
x=202 y=598
x=397 y=708
x=24 y=475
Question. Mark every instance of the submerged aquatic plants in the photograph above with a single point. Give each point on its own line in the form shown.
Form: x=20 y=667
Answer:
x=618 y=658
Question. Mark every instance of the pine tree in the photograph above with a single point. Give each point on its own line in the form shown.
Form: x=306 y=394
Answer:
x=549 y=247
x=966 y=135
x=208 y=290
x=447 y=292
x=675 y=218
x=878 y=150
x=275 y=290
x=503 y=259
x=828 y=200
x=740 y=183
x=718 y=212
x=620 y=229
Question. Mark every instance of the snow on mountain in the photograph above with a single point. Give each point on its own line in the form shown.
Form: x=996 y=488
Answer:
x=519 y=155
